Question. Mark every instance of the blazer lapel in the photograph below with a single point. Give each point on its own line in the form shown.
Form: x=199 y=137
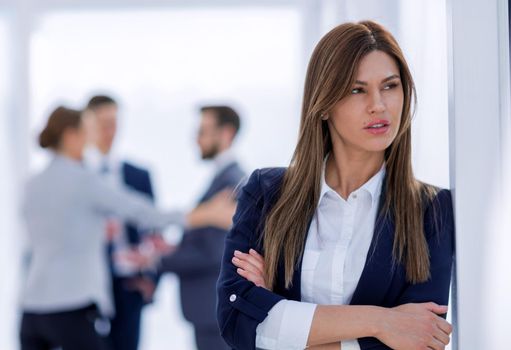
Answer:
x=125 y=174
x=379 y=266
x=216 y=184
x=295 y=291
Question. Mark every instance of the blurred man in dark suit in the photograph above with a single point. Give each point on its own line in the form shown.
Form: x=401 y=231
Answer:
x=131 y=289
x=196 y=260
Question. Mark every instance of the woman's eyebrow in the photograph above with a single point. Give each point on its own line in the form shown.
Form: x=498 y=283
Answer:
x=393 y=76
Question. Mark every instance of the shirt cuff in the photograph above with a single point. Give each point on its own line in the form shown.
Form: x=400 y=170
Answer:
x=351 y=344
x=286 y=327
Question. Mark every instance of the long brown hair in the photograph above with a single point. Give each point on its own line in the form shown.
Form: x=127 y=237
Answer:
x=330 y=75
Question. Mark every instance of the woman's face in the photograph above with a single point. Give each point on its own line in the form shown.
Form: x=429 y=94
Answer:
x=368 y=118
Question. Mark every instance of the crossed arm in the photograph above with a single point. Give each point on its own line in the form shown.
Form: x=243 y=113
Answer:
x=244 y=303
x=408 y=326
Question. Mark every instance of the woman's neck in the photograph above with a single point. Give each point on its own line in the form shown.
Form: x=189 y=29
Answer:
x=69 y=154
x=347 y=171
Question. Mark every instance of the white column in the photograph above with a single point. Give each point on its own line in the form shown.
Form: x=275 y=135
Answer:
x=478 y=99
x=496 y=280
x=16 y=165
x=20 y=106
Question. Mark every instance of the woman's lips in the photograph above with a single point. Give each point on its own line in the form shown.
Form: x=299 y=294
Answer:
x=378 y=127
x=378 y=131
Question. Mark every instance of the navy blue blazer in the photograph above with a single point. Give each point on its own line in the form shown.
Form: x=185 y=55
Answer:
x=197 y=258
x=137 y=179
x=242 y=305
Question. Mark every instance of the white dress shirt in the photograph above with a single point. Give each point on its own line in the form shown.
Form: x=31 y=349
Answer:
x=334 y=257
x=64 y=208
x=223 y=160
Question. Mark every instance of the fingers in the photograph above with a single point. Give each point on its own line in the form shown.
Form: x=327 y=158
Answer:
x=436 y=344
x=435 y=308
x=444 y=326
x=256 y=255
x=443 y=338
x=243 y=265
x=250 y=266
x=252 y=277
x=443 y=332
x=249 y=262
x=441 y=335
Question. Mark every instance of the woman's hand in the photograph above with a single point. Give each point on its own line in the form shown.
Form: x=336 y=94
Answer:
x=250 y=266
x=415 y=326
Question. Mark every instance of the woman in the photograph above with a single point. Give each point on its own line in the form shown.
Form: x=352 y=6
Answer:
x=357 y=252
x=65 y=207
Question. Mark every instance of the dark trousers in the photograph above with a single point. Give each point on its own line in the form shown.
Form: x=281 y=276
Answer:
x=69 y=330
x=209 y=338
x=125 y=326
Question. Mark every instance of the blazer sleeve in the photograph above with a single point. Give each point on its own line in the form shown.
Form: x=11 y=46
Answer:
x=242 y=305
x=153 y=275
x=143 y=185
x=198 y=253
x=130 y=205
x=439 y=230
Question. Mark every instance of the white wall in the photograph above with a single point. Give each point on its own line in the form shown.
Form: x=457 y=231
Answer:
x=479 y=97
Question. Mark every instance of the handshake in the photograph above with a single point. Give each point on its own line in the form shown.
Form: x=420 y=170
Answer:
x=217 y=212
x=146 y=255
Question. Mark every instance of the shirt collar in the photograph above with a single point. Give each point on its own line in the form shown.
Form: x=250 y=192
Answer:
x=223 y=159
x=61 y=159
x=372 y=186
x=95 y=160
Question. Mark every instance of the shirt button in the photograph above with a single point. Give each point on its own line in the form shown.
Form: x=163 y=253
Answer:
x=355 y=196
x=232 y=298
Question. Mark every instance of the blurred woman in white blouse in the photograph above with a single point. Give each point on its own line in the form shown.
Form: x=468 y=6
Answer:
x=64 y=208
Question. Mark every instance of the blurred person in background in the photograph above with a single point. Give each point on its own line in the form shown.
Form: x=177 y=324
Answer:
x=196 y=260
x=131 y=288
x=64 y=208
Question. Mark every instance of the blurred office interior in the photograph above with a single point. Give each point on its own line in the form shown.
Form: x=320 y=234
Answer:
x=164 y=58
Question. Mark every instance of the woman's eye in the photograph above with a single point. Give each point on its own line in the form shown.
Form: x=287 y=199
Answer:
x=390 y=86
x=356 y=91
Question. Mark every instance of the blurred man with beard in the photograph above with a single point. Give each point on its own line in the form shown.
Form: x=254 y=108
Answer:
x=196 y=260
